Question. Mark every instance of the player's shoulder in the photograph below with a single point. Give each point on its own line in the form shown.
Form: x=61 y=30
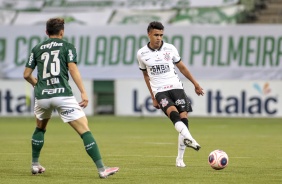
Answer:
x=68 y=44
x=167 y=46
x=39 y=45
x=143 y=50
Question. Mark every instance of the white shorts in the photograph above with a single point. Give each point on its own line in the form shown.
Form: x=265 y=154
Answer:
x=67 y=107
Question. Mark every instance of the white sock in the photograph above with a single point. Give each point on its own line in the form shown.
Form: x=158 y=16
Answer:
x=183 y=130
x=181 y=147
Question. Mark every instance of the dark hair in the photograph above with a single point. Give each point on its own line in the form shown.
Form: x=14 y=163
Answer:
x=54 y=26
x=155 y=25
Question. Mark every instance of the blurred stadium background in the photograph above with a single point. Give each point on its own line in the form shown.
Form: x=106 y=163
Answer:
x=232 y=47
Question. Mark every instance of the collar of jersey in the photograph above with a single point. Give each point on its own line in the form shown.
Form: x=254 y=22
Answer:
x=155 y=49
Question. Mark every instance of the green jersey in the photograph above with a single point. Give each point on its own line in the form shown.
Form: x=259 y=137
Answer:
x=51 y=58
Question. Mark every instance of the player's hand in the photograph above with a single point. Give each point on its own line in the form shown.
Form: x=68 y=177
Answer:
x=156 y=104
x=35 y=82
x=84 y=101
x=199 y=91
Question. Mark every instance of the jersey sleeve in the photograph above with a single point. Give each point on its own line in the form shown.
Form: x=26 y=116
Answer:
x=141 y=65
x=176 y=58
x=72 y=55
x=31 y=63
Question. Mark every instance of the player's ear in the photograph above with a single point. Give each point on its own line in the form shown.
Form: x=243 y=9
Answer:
x=149 y=34
x=47 y=32
x=62 y=32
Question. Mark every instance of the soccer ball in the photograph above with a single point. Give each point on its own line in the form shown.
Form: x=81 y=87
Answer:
x=218 y=159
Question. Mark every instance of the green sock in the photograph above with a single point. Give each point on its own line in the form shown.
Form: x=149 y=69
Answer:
x=92 y=149
x=37 y=142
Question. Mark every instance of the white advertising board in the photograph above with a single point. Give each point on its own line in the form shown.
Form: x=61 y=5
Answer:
x=6 y=17
x=221 y=99
x=109 y=52
x=15 y=95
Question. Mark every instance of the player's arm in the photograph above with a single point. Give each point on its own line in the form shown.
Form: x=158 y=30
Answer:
x=147 y=80
x=75 y=74
x=28 y=76
x=184 y=70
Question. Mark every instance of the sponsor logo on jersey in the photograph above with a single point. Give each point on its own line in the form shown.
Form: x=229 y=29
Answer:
x=53 y=91
x=70 y=55
x=166 y=87
x=164 y=102
x=159 y=69
x=166 y=48
x=66 y=112
x=50 y=45
x=30 y=58
x=142 y=53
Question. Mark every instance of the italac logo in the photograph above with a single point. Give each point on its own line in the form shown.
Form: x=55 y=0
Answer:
x=262 y=90
x=256 y=100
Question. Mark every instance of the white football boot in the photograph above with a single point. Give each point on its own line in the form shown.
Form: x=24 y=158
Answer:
x=180 y=163
x=192 y=143
x=108 y=171
x=37 y=169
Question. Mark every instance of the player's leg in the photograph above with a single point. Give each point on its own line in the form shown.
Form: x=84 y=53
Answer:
x=181 y=146
x=91 y=147
x=180 y=151
x=38 y=138
x=81 y=127
x=43 y=113
x=167 y=104
x=183 y=106
x=78 y=121
x=174 y=116
x=37 y=142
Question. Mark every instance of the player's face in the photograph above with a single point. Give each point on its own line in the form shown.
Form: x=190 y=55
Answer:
x=156 y=37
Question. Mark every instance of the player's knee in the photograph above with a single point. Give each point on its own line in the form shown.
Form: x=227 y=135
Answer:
x=174 y=117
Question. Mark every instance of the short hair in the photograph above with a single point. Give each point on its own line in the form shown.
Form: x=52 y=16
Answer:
x=54 y=26
x=155 y=25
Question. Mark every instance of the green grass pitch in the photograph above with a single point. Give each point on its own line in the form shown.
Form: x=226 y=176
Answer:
x=145 y=149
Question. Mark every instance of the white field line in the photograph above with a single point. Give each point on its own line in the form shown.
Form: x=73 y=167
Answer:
x=156 y=156
x=159 y=143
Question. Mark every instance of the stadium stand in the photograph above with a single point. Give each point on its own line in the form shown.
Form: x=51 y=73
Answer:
x=177 y=12
x=270 y=12
x=262 y=11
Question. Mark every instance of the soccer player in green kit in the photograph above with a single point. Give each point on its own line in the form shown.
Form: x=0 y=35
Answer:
x=54 y=58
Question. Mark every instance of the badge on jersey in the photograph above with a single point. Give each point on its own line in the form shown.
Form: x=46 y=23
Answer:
x=167 y=56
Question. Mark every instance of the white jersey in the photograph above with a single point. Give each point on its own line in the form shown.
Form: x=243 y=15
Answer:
x=159 y=64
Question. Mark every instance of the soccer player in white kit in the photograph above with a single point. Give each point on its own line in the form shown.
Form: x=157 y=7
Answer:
x=157 y=60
